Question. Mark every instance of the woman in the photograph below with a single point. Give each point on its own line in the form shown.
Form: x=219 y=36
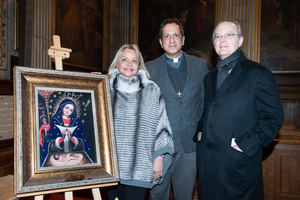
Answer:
x=66 y=133
x=143 y=133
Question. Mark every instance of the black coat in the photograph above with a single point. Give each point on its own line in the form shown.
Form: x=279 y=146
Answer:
x=246 y=107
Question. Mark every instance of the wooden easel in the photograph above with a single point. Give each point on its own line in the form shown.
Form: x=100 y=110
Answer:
x=59 y=53
x=69 y=195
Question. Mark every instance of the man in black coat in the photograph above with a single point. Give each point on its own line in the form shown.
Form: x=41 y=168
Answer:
x=242 y=114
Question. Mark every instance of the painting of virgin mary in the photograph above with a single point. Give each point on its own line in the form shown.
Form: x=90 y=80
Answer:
x=66 y=142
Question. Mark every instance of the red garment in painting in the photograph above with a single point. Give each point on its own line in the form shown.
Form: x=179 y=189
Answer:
x=46 y=128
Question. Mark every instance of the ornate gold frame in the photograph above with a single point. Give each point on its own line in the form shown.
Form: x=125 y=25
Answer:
x=28 y=179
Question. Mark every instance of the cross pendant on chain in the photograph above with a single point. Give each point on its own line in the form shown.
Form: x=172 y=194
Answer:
x=179 y=94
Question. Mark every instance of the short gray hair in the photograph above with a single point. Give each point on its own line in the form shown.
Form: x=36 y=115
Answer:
x=238 y=27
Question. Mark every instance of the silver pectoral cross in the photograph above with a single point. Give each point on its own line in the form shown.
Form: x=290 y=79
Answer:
x=179 y=94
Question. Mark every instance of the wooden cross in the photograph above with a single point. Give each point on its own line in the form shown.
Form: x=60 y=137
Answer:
x=179 y=94
x=58 y=53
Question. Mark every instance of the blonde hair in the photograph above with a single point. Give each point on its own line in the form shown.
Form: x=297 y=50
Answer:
x=118 y=55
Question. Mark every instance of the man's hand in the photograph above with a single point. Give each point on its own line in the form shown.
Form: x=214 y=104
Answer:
x=158 y=167
x=199 y=136
x=235 y=146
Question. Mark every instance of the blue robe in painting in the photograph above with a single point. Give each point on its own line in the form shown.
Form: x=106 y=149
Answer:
x=54 y=133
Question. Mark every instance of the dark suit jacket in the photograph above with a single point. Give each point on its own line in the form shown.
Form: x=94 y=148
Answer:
x=184 y=112
x=246 y=107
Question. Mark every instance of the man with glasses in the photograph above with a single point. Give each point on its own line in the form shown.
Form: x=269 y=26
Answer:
x=242 y=115
x=180 y=78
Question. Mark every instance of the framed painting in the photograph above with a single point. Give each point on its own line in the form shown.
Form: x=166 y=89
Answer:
x=82 y=28
x=62 y=139
x=279 y=47
x=196 y=16
x=63 y=131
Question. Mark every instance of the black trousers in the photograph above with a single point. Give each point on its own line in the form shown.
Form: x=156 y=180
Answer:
x=126 y=192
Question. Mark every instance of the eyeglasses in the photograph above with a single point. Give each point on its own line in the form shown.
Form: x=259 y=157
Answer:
x=225 y=36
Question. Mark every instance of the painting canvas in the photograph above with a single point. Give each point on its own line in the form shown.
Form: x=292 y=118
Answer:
x=63 y=132
x=196 y=16
x=80 y=26
x=280 y=33
x=66 y=128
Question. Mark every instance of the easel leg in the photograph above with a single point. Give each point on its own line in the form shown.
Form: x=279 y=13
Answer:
x=39 y=197
x=69 y=195
x=96 y=194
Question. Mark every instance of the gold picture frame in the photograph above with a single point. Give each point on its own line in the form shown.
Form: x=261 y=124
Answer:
x=92 y=137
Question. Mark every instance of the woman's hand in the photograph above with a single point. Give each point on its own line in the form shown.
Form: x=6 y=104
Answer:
x=66 y=132
x=158 y=167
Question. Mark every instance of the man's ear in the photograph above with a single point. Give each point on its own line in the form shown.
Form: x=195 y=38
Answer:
x=241 y=40
x=183 y=39
x=160 y=42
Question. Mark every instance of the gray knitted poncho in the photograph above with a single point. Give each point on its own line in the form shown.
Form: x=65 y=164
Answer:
x=142 y=128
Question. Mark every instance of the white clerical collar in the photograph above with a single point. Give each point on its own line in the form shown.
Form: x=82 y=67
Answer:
x=175 y=60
